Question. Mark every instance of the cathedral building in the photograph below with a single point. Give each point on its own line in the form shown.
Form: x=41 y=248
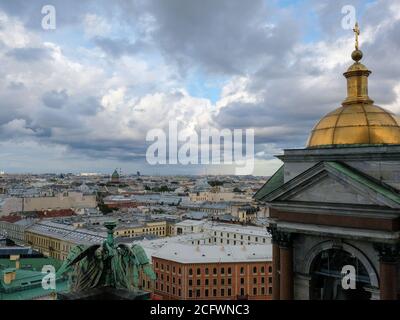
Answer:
x=335 y=205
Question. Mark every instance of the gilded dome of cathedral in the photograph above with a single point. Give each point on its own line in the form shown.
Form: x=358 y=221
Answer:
x=358 y=121
x=356 y=124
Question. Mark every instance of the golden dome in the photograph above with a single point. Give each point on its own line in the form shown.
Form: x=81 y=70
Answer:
x=358 y=121
x=356 y=124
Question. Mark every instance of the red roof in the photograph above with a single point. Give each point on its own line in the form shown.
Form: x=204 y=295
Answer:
x=55 y=213
x=10 y=219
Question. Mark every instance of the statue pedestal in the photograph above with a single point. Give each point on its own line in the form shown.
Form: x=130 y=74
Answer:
x=105 y=293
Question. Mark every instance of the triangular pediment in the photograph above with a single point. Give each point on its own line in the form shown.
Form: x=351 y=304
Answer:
x=330 y=190
x=334 y=182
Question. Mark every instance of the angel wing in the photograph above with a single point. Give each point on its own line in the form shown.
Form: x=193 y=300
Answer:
x=142 y=261
x=76 y=254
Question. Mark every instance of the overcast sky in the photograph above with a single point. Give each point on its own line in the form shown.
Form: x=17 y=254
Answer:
x=82 y=97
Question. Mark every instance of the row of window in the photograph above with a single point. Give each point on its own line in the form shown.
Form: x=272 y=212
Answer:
x=221 y=234
x=215 y=270
x=222 y=281
x=223 y=292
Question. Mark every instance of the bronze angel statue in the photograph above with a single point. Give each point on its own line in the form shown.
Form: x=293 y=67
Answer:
x=106 y=265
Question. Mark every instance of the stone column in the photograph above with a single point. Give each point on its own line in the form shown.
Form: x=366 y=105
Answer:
x=286 y=267
x=275 y=271
x=275 y=262
x=388 y=264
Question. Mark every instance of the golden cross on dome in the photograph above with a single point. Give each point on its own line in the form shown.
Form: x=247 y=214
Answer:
x=357 y=33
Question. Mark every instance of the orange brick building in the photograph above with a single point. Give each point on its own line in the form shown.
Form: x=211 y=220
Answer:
x=185 y=272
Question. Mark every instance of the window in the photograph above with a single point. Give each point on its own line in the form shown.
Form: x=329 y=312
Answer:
x=229 y=270
x=255 y=291
x=222 y=292
x=198 y=271
x=222 y=281
x=198 y=293
x=229 y=280
x=206 y=271
x=222 y=270
x=254 y=269
x=270 y=269
x=190 y=293
x=254 y=280
x=190 y=271
x=214 y=292
x=242 y=291
x=206 y=292
x=190 y=282
x=262 y=280
x=206 y=282
x=215 y=282
x=198 y=282
x=270 y=290
x=241 y=270
x=229 y=291
x=162 y=266
x=262 y=269
x=262 y=290
x=215 y=271
x=241 y=280
x=269 y=280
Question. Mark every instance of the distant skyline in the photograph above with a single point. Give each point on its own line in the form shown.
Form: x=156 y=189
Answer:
x=82 y=97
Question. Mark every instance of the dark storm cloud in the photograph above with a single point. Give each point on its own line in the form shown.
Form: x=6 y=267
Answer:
x=222 y=36
x=29 y=54
x=55 y=99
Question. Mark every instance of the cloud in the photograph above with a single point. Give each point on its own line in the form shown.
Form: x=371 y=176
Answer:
x=55 y=99
x=96 y=26
x=28 y=54
x=110 y=72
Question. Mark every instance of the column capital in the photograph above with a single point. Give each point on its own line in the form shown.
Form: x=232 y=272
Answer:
x=389 y=253
x=273 y=230
x=282 y=238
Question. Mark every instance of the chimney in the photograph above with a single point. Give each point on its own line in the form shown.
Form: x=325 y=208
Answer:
x=9 y=275
x=16 y=259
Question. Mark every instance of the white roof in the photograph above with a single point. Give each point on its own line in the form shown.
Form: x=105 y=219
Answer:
x=184 y=253
x=190 y=223
x=68 y=233
x=232 y=228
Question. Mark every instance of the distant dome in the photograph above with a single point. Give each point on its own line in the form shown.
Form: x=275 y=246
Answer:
x=115 y=174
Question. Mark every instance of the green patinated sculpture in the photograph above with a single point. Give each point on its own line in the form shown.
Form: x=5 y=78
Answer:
x=106 y=265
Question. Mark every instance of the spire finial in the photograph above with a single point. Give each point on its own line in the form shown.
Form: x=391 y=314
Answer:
x=356 y=30
x=357 y=54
